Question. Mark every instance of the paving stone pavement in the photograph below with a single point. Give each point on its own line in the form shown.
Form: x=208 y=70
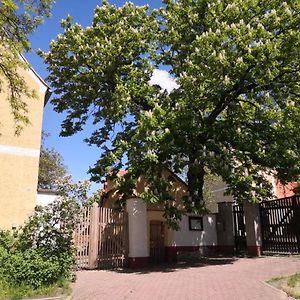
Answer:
x=213 y=279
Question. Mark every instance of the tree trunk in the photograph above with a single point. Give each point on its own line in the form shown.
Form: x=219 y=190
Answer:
x=195 y=177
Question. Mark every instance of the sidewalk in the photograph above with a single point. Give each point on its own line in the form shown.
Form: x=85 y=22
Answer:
x=208 y=279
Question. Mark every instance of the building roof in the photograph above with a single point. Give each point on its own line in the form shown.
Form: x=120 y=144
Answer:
x=109 y=188
x=47 y=192
x=39 y=79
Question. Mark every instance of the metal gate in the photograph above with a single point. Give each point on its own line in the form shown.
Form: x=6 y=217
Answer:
x=280 y=225
x=101 y=238
x=239 y=228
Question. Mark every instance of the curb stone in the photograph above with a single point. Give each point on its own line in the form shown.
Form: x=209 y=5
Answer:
x=278 y=290
x=51 y=298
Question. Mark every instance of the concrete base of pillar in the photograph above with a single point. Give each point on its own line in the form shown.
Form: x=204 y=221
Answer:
x=254 y=250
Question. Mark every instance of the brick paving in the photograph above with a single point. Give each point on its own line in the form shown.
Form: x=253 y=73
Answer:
x=213 y=279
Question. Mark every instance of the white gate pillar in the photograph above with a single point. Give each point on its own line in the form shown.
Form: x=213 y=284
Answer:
x=137 y=233
x=225 y=229
x=253 y=228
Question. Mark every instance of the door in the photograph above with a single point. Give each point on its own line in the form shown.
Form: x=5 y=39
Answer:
x=157 y=247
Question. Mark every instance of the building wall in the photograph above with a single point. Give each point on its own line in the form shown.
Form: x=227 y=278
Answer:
x=206 y=237
x=283 y=191
x=175 y=242
x=280 y=190
x=186 y=237
x=44 y=198
x=217 y=196
x=19 y=157
x=178 y=190
x=153 y=215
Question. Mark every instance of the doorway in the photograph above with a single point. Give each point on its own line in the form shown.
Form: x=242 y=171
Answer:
x=157 y=245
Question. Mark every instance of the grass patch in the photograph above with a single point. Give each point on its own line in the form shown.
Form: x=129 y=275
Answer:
x=293 y=280
x=9 y=291
x=288 y=284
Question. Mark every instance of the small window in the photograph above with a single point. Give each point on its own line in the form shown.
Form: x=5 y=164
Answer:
x=195 y=223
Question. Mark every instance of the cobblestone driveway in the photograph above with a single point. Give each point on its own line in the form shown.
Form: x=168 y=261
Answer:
x=213 y=279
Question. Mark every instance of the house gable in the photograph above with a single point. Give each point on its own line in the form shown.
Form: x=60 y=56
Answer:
x=19 y=155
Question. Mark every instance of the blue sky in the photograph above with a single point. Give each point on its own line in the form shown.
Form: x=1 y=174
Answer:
x=77 y=155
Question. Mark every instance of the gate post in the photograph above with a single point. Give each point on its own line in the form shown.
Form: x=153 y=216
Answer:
x=137 y=233
x=94 y=237
x=225 y=228
x=253 y=228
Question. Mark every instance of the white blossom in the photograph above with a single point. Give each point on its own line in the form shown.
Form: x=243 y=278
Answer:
x=226 y=79
x=261 y=26
x=240 y=60
x=288 y=11
x=222 y=54
x=148 y=113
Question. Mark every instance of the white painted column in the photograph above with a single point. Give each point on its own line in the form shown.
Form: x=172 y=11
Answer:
x=138 y=232
x=253 y=229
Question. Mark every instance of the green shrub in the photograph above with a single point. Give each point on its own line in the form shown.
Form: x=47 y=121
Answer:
x=29 y=268
x=41 y=253
x=33 y=267
x=7 y=240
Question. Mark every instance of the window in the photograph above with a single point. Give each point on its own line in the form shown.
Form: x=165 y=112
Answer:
x=195 y=223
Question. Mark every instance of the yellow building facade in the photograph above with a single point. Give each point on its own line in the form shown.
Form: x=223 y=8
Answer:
x=19 y=155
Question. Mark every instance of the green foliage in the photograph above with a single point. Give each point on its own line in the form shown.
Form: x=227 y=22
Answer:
x=41 y=253
x=50 y=229
x=30 y=268
x=31 y=271
x=76 y=192
x=8 y=291
x=7 y=240
x=18 y=19
x=51 y=167
x=234 y=113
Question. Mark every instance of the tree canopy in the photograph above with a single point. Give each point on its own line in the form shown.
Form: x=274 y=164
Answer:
x=51 y=167
x=18 y=19
x=233 y=113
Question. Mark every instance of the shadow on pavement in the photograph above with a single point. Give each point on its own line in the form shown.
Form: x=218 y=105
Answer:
x=182 y=264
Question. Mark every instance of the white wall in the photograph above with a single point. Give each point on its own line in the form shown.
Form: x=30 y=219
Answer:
x=44 y=199
x=186 y=237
